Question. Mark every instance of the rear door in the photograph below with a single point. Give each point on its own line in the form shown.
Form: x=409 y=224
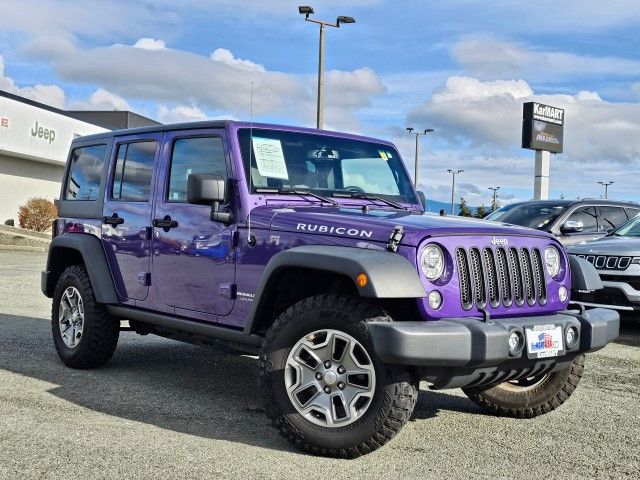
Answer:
x=194 y=257
x=126 y=220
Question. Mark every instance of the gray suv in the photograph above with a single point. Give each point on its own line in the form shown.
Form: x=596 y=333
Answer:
x=571 y=221
x=617 y=260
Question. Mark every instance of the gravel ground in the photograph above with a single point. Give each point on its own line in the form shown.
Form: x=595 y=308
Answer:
x=161 y=409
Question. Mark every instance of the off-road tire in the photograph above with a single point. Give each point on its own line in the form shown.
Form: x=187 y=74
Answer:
x=552 y=392
x=395 y=390
x=100 y=330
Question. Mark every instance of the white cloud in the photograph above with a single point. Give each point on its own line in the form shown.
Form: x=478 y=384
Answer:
x=149 y=44
x=180 y=113
x=101 y=100
x=225 y=56
x=220 y=83
x=489 y=58
x=48 y=94
x=489 y=114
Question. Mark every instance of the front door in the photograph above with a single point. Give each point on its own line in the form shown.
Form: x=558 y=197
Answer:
x=193 y=257
x=126 y=222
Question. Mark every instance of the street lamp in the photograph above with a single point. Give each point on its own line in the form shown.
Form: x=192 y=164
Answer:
x=306 y=11
x=453 y=186
x=606 y=187
x=495 y=194
x=413 y=131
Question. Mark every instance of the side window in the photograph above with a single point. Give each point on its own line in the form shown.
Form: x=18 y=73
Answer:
x=133 y=171
x=586 y=215
x=611 y=217
x=85 y=171
x=194 y=155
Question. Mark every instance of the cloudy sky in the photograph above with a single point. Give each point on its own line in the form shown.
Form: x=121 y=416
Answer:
x=461 y=67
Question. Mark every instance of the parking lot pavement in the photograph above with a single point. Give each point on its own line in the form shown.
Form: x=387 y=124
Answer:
x=161 y=409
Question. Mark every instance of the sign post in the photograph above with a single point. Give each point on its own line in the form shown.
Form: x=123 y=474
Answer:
x=542 y=131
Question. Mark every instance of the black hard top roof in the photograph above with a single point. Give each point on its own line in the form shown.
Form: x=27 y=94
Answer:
x=158 y=128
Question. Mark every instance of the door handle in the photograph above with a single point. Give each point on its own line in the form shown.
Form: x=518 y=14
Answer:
x=164 y=223
x=113 y=220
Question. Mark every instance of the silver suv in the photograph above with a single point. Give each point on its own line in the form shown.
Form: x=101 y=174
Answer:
x=571 y=221
x=617 y=260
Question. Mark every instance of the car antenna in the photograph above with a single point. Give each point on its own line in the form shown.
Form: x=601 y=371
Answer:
x=251 y=240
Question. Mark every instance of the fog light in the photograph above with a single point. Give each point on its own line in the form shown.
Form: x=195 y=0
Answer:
x=570 y=337
x=516 y=342
x=562 y=293
x=435 y=300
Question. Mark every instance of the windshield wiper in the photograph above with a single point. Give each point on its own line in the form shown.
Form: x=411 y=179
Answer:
x=369 y=196
x=298 y=192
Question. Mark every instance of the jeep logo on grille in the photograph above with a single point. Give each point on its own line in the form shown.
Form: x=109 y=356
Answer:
x=499 y=241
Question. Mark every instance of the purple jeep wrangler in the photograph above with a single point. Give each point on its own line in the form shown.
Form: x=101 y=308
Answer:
x=312 y=250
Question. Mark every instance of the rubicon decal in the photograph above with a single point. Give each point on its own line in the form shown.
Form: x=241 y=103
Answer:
x=349 y=232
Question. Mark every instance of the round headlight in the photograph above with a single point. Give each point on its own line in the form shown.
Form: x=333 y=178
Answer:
x=432 y=262
x=552 y=260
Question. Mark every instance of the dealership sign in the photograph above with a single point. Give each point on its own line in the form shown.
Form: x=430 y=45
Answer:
x=34 y=133
x=542 y=127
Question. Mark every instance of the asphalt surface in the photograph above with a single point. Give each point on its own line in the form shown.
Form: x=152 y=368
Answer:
x=162 y=409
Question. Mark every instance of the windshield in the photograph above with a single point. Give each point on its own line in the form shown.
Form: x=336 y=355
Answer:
x=629 y=229
x=324 y=165
x=533 y=215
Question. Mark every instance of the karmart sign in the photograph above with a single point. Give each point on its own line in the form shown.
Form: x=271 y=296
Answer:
x=542 y=127
x=547 y=113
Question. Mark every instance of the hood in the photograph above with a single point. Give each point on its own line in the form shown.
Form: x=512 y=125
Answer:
x=377 y=224
x=621 y=246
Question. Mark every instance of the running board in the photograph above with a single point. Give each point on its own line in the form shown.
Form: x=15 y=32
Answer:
x=188 y=326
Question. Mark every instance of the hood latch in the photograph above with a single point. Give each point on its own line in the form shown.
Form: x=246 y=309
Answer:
x=395 y=238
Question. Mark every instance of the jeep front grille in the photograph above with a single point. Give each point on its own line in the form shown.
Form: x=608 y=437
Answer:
x=607 y=262
x=501 y=276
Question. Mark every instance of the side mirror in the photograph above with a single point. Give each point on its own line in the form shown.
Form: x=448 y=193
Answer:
x=571 y=226
x=423 y=199
x=204 y=189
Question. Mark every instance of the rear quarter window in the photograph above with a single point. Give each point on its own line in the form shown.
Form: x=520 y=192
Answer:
x=85 y=171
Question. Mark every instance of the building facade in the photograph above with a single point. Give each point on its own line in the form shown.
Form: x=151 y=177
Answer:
x=34 y=142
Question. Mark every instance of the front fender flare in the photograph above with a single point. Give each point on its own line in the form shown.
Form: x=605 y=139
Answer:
x=390 y=275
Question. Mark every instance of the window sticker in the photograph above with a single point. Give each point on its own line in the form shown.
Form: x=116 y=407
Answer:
x=383 y=155
x=270 y=158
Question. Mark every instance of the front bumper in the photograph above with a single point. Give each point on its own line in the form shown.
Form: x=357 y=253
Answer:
x=464 y=351
x=615 y=295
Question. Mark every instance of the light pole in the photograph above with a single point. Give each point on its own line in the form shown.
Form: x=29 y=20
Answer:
x=453 y=186
x=495 y=195
x=606 y=187
x=417 y=133
x=306 y=11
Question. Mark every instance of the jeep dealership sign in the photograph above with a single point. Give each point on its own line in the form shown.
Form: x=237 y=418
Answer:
x=27 y=131
x=542 y=127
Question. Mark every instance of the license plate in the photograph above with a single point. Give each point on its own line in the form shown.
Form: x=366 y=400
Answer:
x=544 y=341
